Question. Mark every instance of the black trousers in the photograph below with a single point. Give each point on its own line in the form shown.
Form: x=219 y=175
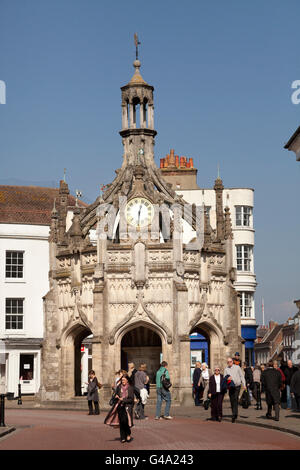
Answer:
x=234 y=400
x=124 y=425
x=217 y=405
x=276 y=408
x=197 y=395
x=96 y=405
x=271 y=401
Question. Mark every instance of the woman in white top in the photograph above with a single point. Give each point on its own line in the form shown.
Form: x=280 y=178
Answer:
x=204 y=380
x=216 y=395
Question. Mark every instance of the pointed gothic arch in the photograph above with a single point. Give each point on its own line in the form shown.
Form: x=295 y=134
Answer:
x=140 y=343
x=214 y=342
x=70 y=344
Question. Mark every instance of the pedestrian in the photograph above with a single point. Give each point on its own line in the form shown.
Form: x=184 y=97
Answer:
x=163 y=391
x=289 y=371
x=236 y=359
x=272 y=381
x=204 y=381
x=131 y=371
x=262 y=388
x=117 y=380
x=121 y=411
x=216 y=394
x=257 y=386
x=282 y=390
x=235 y=374
x=295 y=387
x=140 y=382
x=249 y=380
x=92 y=393
x=196 y=383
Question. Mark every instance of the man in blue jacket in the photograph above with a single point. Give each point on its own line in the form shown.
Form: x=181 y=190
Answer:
x=161 y=392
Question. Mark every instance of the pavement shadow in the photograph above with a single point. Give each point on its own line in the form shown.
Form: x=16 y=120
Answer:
x=293 y=416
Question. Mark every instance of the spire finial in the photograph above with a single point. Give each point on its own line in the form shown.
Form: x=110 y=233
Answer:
x=54 y=211
x=136 y=42
x=65 y=170
x=218 y=171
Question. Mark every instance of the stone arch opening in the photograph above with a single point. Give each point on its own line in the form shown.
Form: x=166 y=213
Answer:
x=77 y=360
x=199 y=347
x=142 y=344
x=205 y=338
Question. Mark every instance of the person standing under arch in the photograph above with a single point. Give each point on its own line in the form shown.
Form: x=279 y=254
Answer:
x=204 y=381
x=92 y=393
x=196 y=383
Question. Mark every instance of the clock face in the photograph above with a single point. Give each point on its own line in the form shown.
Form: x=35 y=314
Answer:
x=139 y=212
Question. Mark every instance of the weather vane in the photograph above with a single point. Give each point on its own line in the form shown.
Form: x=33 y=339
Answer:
x=136 y=42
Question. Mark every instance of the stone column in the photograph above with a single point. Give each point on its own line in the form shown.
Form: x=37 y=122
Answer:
x=142 y=116
x=98 y=329
x=186 y=398
x=151 y=116
x=131 y=124
x=124 y=116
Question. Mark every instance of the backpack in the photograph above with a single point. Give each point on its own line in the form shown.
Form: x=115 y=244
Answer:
x=166 y=383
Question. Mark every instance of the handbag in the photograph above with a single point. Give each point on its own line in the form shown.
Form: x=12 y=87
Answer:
x=113 y=399
x=206 y=404
x=245 y=400
x=166 y=383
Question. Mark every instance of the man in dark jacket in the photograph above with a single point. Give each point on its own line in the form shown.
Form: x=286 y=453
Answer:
x=236 y=359
x=272 y=382
x=196 y=383
x=289 y=371
x=295 y=387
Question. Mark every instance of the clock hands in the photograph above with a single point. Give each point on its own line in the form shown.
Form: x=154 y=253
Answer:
x=139 y=214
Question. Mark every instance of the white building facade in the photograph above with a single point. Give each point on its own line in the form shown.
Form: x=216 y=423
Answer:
x=241 y=203
x=24 y=265
x=25 y=214
x=181 y=174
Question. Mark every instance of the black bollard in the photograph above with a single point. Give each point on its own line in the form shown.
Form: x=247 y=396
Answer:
x=2 y=417
x=19 y=395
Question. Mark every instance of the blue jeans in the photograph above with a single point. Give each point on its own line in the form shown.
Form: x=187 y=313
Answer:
x=165 y=395
x=288 y=397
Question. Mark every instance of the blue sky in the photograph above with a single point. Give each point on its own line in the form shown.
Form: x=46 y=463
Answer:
x=222 y=73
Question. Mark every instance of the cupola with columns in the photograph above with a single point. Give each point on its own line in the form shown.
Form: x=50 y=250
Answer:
x=138 y=119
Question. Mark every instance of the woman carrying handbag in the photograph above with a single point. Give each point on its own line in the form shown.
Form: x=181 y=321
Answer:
x=121 y=411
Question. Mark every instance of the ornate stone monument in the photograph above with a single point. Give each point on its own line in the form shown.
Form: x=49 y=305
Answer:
x=137 y=287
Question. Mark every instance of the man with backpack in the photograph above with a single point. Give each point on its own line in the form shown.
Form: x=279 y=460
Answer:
x=163 y=385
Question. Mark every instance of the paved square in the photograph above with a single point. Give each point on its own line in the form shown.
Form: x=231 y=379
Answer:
x=75 y=430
